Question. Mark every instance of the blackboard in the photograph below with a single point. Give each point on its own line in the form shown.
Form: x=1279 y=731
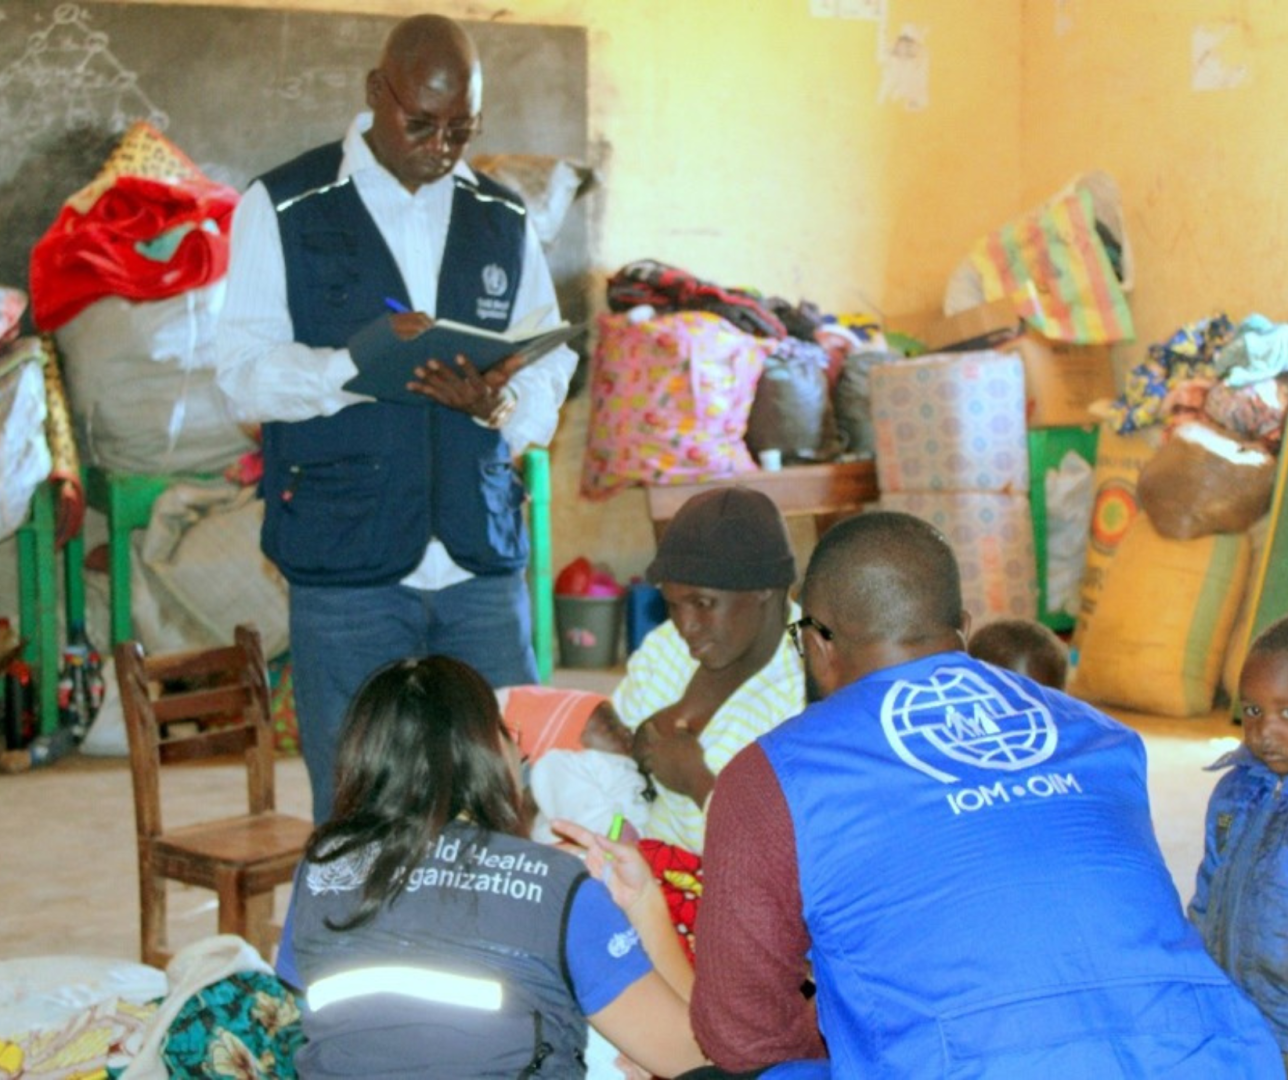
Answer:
x=239 y=90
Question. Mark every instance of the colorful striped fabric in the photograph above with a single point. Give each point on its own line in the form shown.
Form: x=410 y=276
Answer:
x=1053 y=266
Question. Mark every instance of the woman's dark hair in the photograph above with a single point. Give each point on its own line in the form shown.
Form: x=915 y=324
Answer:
x=421 y=746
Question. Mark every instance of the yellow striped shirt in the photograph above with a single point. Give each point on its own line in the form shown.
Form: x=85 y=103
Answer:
x=656 y=676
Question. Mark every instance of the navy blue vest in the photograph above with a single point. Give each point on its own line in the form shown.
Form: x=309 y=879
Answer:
x=486 y=907
x=354 y=498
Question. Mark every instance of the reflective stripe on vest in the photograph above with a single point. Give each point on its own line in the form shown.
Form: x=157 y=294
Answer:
x=426 y=984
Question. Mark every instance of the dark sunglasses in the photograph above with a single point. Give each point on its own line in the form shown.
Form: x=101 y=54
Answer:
x=421 y=127
x=794 y=632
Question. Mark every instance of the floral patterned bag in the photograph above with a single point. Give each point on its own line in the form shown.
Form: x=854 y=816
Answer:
x=670 y=398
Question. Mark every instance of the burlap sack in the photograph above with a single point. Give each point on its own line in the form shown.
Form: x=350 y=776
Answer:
x=197 y=572
x=1204 y=480
x=1119 y=460
x=1162 y=622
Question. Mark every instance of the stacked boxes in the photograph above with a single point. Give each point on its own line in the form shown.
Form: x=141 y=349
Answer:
x=1062 y=381
x=952 y=449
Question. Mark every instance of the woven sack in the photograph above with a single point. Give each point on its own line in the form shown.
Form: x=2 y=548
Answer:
x=1119 y=460
x=1241 y=635
x=1163 y=621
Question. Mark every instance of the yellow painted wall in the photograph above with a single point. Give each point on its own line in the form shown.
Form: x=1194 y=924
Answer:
x=747 y=140
x=1112 y=85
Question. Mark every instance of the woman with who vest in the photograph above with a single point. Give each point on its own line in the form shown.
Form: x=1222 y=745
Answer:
x=432 y=938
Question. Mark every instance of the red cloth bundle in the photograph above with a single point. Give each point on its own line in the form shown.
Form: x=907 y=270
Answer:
x=149 y=227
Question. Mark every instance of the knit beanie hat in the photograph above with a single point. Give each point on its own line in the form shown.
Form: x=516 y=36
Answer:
x=730 y=538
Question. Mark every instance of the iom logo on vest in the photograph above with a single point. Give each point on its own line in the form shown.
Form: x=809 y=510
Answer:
x=956 y=719
x=492 y=304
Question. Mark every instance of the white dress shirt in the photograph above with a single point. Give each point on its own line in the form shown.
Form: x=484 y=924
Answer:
x=268 y=375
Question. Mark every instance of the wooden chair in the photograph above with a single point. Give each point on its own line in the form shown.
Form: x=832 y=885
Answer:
x=186 y=707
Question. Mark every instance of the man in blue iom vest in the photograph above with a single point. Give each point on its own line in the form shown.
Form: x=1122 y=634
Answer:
x=398 y=526
x=960 y=859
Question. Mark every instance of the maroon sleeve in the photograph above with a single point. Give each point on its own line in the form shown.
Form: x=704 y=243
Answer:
x=748 y=1010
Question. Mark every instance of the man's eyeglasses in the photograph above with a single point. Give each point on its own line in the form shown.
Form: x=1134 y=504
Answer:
x=794 y=632
x=421 y=127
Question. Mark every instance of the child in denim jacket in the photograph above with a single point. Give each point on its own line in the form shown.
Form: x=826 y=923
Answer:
x=1240 y=903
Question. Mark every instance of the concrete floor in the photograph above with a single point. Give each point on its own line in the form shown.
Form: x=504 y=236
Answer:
x=67 y=857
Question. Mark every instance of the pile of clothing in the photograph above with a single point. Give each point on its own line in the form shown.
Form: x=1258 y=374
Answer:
x=1220 y=392
x=36 y=441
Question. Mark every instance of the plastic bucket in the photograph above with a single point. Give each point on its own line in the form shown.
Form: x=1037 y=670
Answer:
x=589 y=629
x=645 y=609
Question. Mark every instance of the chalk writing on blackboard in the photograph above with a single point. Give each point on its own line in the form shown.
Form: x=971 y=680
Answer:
x=309 y=86
x=68 y=77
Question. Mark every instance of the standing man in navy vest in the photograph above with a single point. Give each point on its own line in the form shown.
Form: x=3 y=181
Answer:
x=399 y=527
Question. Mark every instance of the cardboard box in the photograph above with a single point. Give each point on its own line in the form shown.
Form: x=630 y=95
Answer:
x=1061 y=380
x=987 y=326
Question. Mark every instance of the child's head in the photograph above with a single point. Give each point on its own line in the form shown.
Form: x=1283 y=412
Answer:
x=1263 y=697
x=1022 y=645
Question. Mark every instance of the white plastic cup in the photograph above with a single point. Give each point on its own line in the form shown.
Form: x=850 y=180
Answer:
x=771 y=460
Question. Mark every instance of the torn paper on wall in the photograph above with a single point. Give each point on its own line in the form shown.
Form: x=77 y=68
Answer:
x=873 y=10
x=905 y=70
x=1219 y=56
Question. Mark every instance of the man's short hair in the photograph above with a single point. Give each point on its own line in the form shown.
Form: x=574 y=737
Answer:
x=887 y=575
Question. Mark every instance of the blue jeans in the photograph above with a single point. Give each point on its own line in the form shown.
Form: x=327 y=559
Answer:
x=339 y=636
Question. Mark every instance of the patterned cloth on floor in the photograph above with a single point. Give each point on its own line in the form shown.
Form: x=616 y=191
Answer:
x=245 y=1026
x=95 y=1043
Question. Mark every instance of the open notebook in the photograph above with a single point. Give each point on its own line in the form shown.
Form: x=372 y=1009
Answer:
x=386 y=362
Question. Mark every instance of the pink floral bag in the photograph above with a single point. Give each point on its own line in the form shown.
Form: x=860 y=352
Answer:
x=670 y=398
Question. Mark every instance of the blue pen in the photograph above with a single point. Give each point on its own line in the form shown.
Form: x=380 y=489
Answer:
x=395 y=305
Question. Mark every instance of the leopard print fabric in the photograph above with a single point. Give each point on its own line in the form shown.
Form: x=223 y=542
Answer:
x=143 y=151
x=58 y=421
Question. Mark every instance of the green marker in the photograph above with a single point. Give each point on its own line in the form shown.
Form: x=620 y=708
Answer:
x=615 y=829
